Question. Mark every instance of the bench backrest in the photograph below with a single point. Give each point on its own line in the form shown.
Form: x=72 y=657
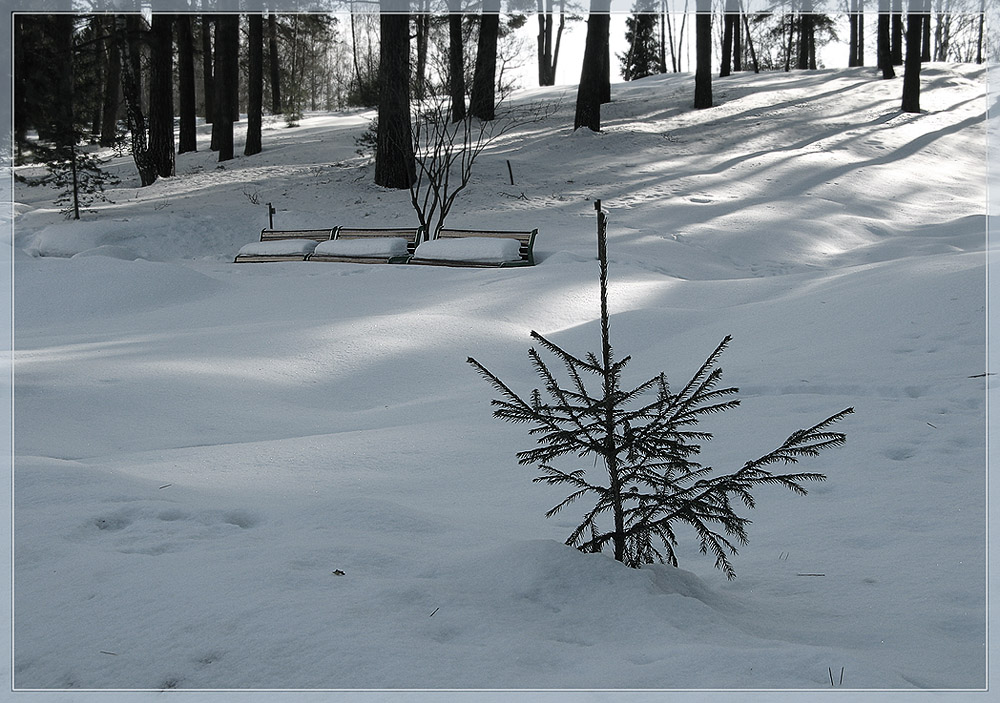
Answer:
x=526 y=238
x=413 y=236
x=320 y=235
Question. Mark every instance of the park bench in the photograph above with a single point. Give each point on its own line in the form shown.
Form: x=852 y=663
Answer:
x=369 y=245
x=478 y=248
x=284 y=245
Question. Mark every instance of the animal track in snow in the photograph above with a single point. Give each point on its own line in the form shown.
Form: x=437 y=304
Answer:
x=151 y=528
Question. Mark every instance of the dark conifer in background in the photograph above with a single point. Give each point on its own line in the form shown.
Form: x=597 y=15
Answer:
x=643 y=56
x=645 y=440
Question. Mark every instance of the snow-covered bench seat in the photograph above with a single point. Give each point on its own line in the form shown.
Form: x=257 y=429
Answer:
x=283 y=245
x=369 y=245
x=478 y=248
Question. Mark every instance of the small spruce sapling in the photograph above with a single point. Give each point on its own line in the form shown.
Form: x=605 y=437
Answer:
x=645 y=440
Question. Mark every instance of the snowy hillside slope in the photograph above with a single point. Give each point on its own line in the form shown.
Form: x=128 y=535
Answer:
x=286 y=476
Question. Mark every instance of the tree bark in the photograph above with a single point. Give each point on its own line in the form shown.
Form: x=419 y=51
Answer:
x=422 y=26
x=207 y=72
x=728 y=22
x=884 y=44
x=186 y=94
x=226 y=74
x=911 y=71
x=456 y=67
x=925 y=51
x=703 y=56
x=161 y=93
x=482 y=100
x=275 y=72
x=127 y=35
x=590 y=91
x=896 y=34
x=255 y=84
x=394 y=163
x=112 y=90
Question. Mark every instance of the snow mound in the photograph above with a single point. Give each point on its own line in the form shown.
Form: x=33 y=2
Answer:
x=381 y=247
x=477 y=249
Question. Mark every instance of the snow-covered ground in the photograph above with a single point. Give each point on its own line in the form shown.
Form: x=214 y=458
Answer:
x=285 y=476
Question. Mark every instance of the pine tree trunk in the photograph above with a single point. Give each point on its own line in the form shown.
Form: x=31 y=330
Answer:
x=805 y=40
x=207 y=72
x=911 y=72
x=482 y=100
x=610 y=451
x=727 y=45
x=884 y=43
x=456 y=67
x=226 y=74
x=738 y=42
x=422 y=26
x=187 y=139
x=925 y=52
x=861 y=33
x=64 y=118
x=394 y=163
x=127 y=35
x=255 y=84
x=896 y=34
x=703 y=56
x=161 y=94
x=588 y=97
x=753 y=52
x=112 y=90
x=982 y=25
x=852 y=58
x=272 y=53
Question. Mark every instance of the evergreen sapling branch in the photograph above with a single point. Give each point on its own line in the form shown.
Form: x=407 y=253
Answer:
x=648 y=448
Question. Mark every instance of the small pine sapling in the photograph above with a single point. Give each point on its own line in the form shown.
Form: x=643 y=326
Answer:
x=644 y=438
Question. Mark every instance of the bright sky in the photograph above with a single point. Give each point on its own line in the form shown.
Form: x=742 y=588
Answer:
x=575 y=34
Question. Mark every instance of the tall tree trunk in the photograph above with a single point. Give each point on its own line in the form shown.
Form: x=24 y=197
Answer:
x=728 y=21
x=753 y=53
x=128 y=36
x=482 y=101
x=100 y=58
x=255 y=84
x=925 y=45
x=790 y=43
x=806 y=50
x=63 y=116
x=207 y=70
x=22 y=87
x=112 y=91
x=606 y=66
x=548 y=47
x=911 y=72
x=394 y=162
x=227 y=30
x=861 y=33
x=896 y=34
x=588 y=97
x=885 y=41
x=186 y=94
x=663 y=37
x=275 y=72
x=456 y=66
x=161 y=93
x=703 y=56
x=852 y=44
x=982 y=25
x=422 y=25
x=738 y=41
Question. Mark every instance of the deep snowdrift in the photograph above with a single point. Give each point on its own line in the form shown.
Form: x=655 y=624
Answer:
x=285 y=475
